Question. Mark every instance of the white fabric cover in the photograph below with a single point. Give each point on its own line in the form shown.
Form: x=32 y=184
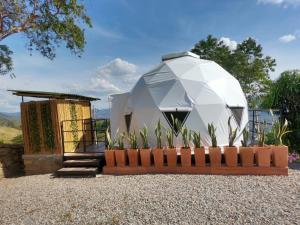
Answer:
x=182 y=82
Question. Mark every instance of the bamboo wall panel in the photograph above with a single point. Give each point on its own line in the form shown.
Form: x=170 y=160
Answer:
x=60 y=111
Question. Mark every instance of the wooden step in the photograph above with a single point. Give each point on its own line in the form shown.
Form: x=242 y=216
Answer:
x=77 y=171
x=81 y=163
x=75 y=156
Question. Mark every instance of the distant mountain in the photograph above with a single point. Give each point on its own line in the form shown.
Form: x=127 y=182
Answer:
x=102 y=113
x=10 y=119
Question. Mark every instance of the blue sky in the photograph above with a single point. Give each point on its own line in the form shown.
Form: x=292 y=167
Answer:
x=130 y=36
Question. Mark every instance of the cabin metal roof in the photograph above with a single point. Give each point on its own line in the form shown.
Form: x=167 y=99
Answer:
x=52 y=95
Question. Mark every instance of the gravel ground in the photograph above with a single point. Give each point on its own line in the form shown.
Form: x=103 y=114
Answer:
x=151 y=199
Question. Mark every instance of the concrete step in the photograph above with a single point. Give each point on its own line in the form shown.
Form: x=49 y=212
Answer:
x=81 y=163
x=77 y=171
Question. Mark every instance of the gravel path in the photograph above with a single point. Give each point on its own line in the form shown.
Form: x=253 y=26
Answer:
x=151 y=199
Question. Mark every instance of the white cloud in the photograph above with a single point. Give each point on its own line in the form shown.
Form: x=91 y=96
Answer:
x=287 y=38
x=231 y=44
x=284 y=3
x=104 y=84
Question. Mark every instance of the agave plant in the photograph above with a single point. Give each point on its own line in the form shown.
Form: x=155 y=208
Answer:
x=132 y=140
x=110 y=141
x=186 y=137
x=170 y=138
x=176 y=123
x=212 y=134
x=197 y=139
x=280 y=130
x=245 y=137
x=144 y=136
x=158 y=134
x=232 y=133
x=120 y=140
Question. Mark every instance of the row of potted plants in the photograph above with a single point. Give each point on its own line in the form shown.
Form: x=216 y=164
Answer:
x=262 y=154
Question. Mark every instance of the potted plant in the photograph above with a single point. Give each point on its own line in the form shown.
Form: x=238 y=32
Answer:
x=171 y=150
x=110 y=151
x=230 y=151
x=214 y=150
x=280 y=151
x=199 y=151
x=132 y=152
x=246 y=152
x=158 y=153
x=145 y=152
x=185 y=151
x=120 y=151
x=262 y=152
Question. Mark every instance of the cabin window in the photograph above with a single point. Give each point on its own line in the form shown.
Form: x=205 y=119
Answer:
x=237 y=112
x=128 y=121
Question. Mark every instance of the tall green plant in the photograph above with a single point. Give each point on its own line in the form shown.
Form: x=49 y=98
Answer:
x=245 y=140
x=158 y=134
x=144 y=136
x=132 y=140
x=74 y=126
x=197 y=139
x=280 y=130
x=261 y=134
x=186 y=137
x=170 y=138
x=110 y=141
x=232 y=133
x=120 y=140
x=212 y=134
x=48 y=131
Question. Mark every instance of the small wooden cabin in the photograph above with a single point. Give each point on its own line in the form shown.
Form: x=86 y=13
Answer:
x=56 y=124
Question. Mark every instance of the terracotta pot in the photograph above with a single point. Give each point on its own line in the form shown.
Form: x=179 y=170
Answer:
x=158 y=155
x=145 y=157
x=171 y=157
x=133 y=157
x=110 y=158
x=280 y=156
x=247 y=156
x=199 y=154
x=185 y=157
x=215 y=156
x=263 y=156
x=230 y=154
x=120 y=158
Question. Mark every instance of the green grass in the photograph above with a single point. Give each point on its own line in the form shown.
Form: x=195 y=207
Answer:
x=8 y=134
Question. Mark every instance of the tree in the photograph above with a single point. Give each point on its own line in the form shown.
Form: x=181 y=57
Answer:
x=45 y=23
x=246 y=63
x=285 y=96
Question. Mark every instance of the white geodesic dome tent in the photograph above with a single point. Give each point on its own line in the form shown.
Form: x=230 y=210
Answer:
x=195 y=91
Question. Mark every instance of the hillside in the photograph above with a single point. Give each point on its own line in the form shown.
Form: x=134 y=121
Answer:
x=10 y=120
x=8 y=133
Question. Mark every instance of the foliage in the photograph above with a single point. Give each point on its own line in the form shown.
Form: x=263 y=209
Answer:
x=48 y=132
x=284 y=95
x=17 y=139
x=132 y=140
x=158 y=134
x=246 y=63
x=186 y=136
x=176 y=124
x=1 y=141
x=197 y=139
x=120 y=140
x=110 y=140
x=46 y=24
x=279 y=131
x=34 y=132
x=232 y=133
x=144 y=136
x=74 y=126
x=170 y=138
x=212 y=134
x=245 y=141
